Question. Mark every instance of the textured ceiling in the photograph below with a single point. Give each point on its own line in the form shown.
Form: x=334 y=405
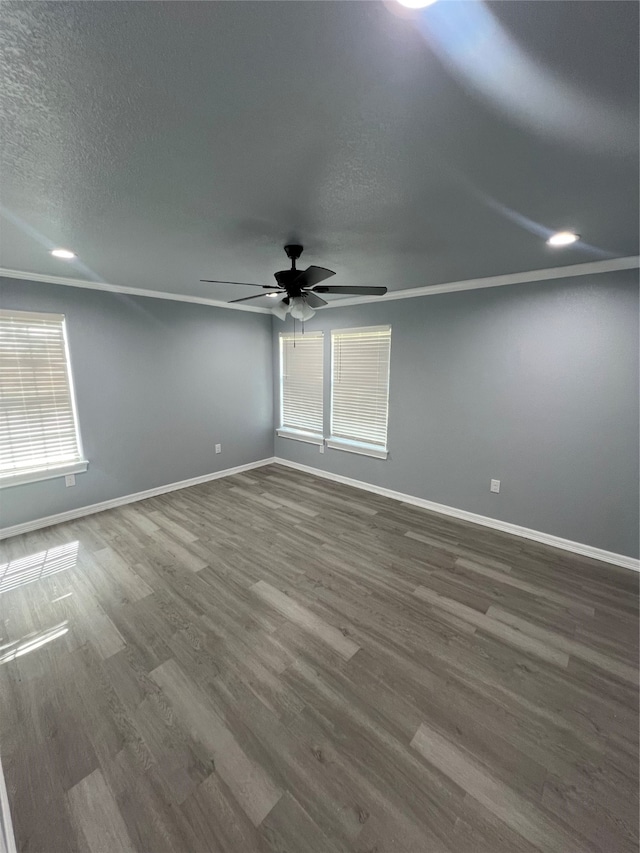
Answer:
x=168 y=142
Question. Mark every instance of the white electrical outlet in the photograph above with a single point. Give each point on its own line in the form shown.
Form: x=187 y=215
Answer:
x=495 y=486
x=70 y=480
x=321 y=448
x=218 y=448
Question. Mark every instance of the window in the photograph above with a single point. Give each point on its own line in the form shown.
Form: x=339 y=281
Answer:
x=360 y=390
x=301 y=387
x=38 y=430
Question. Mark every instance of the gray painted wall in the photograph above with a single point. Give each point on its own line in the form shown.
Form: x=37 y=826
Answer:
x=536 y=385
x=158 y=384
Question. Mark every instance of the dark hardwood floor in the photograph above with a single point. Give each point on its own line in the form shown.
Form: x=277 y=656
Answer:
x=274 y=662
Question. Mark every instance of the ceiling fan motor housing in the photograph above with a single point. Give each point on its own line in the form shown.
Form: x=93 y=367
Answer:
x=286 y=279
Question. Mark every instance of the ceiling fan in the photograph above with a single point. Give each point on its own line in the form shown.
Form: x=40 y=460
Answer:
x=301 y=288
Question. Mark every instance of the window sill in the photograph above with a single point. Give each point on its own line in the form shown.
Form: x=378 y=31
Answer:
x=358 y=447
x=35 y=476
x=308 y=437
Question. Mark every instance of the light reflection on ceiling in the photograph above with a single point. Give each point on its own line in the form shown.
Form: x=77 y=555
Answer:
x=470 y=40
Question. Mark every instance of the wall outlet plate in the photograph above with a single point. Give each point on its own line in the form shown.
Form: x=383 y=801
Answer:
x=495 y=486
x=69 y=480
x=218 y=448
x=321 y=448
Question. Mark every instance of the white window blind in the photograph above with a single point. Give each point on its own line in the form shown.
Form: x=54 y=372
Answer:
x=301 y=384
x=360 y=386
x=38 y=430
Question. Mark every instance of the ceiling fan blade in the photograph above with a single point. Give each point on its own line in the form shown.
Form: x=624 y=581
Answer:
x=257 y=296
x=356 y=291
x=312 y=300
x=245 y=283
x=311 y=276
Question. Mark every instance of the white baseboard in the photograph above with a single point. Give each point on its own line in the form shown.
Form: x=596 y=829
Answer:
x=71 y=514
x=485 y=521
x=442 y=509
x=7 y=838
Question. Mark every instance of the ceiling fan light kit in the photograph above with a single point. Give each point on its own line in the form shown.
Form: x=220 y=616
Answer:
x=300 y=309
x=300 y=288
x=281 y=310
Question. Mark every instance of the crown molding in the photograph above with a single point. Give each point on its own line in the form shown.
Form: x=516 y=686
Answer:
x=590 y=268
x=130 y=291
x=549 y=274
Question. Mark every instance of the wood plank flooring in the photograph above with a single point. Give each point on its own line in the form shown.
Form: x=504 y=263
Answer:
x=275 y=662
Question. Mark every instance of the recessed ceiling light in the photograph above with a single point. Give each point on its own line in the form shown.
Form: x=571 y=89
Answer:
x=563 y=238
x=416 y=4
x=63 y=253
x=273 y=295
